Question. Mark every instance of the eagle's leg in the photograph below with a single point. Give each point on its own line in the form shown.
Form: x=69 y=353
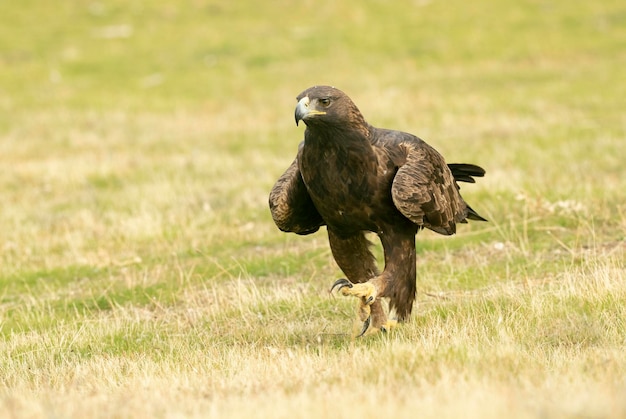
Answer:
x=399 y=273
x=396 y=282
x=353 y=256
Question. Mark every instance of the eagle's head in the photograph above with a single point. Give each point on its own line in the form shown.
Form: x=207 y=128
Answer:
x=326 y=106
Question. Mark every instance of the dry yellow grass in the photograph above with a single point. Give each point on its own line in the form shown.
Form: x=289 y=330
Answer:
x=508 y=350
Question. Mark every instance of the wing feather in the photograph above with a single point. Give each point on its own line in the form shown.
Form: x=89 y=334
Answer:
x=424 y=190
x=291 y=206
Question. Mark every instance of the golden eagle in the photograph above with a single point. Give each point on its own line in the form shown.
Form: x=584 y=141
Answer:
x=355 y=178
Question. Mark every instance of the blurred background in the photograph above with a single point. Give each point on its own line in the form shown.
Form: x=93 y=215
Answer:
x=206 y=56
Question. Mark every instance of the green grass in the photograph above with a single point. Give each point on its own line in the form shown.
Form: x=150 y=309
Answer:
x=141 y=274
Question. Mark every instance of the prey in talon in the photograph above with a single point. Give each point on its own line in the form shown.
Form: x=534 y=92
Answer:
x=357 y=179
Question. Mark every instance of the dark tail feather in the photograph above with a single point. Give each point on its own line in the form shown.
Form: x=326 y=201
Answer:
x=463 y=172
x=473 y=215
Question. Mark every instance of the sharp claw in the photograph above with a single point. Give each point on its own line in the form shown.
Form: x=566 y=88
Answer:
x=343 y=282
x=369 y=301
x=366 y=325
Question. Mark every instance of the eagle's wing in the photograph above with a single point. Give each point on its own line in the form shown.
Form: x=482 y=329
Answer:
x=291 y=206
x=424 y=189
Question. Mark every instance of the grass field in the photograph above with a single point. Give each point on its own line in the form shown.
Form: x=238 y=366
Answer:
x=141 y=274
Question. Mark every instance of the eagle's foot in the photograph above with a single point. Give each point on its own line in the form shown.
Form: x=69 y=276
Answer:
x=367 y=293
x=378 y=324
x=365 y=290
x=389 y=324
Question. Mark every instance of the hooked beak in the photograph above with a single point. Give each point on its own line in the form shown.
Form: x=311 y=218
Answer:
x=303 y=111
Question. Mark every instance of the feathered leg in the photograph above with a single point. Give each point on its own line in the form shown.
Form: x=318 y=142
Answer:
x=400 y=271
x=396 y=282
x=353 y=256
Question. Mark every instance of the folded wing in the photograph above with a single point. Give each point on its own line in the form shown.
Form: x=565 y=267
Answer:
x=291 y=206
x=425 y=191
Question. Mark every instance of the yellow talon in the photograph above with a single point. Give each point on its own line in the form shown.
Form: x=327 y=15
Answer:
x=385 y=328
x=365 y=290
x=367 y=293
x=389 y=324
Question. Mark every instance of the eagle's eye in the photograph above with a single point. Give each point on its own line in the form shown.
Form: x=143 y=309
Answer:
x=325 y=101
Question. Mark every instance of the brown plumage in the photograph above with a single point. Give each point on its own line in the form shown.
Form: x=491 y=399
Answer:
x=355 y=178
